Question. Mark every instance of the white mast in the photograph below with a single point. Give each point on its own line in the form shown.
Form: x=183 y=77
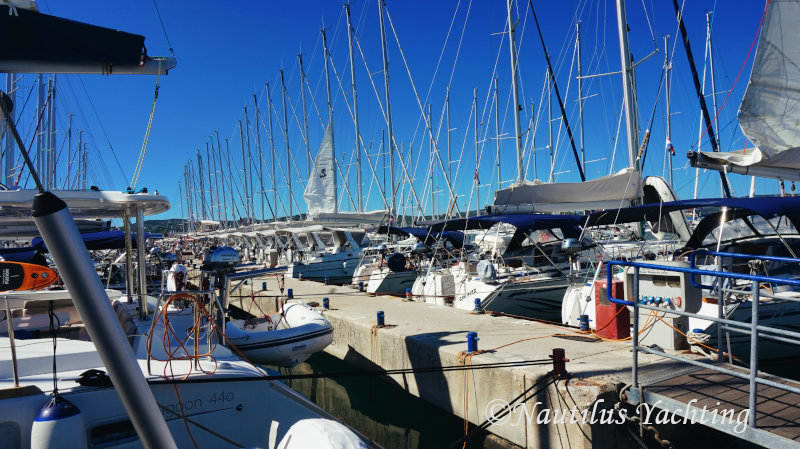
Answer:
x=359 y=191
x=305 y=113
x=272 y=158
x=668 y=143
x=580 y=91
x=288 y=151
x=631 y=119
x=385 y=55
x=515 y=90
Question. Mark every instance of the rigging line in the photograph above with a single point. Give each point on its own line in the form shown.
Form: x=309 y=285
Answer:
x=163 y=28
x=146 y=140
x=652 y=116
x=649 y=25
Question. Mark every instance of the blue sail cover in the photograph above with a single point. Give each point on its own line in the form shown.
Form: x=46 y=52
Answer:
x=18 y=254
x=99 y=240
x=765 y=206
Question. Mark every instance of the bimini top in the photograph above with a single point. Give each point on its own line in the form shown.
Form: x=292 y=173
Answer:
x=17 y=204
x=425 y=235
x=765 y=206
x=524 y=224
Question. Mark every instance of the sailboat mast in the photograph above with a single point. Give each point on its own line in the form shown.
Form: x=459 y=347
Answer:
x=580 y=91
x=631 y=120
x=713 y=78
x=449 y=150
x=359 y=188
x=200 y=179
x=305 y=112
x=326 y=54
x=245 y=192
x=273 y=161
x=69 y=150
x=211 y=205
x=385 y=55
x=260 y=155
x=430 y=168
x=288 y=150
x=477 y=156
x=497 y=133
x=667 y=86
x=550 y=125
x=230 y=184
x=515 y=91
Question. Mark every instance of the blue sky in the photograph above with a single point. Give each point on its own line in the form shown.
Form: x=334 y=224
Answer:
x=227 y=52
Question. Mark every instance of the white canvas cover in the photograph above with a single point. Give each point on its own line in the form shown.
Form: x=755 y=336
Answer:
x=770 y=111
x=614 y=190
x=320 y=193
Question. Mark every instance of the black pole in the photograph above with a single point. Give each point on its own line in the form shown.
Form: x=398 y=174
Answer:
x=699 y=90
x=558 y=95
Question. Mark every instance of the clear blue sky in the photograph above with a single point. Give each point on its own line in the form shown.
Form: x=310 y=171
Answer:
x=227 y=52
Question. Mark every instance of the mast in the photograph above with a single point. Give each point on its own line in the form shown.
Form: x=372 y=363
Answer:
x=580 y=91
x=213 y=160
x=249 y=166
x=305 y=114
x=272 y=157
x=550 y=125
x=260 y=155
x=234 y=209
x=497 y=133
x=81 y=182
x=51 y=137
x=713 y=78
x=430 y=168
x=359 y=188
x=631 y=120
x=230 y=182
x=477 y=157
x=200 y=178
x=69 y=150
x=246 y=198
x=517 y=130
x=40 y=105
x=211 y=208
x=288 y=151
x=667 y=69
x=449 y=150
x=327 y=55
x=385 y=56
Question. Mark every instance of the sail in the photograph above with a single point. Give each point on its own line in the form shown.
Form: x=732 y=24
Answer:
x=320 y=193
x=770 y=111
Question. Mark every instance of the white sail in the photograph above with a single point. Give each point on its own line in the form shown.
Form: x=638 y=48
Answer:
x=770 y=111
x=320 y=193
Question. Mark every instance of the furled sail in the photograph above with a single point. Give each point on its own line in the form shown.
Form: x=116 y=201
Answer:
x=770 y=111
x=320 y=193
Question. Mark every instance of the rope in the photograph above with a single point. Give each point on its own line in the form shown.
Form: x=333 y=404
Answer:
x=146 y=140
x=163 y=28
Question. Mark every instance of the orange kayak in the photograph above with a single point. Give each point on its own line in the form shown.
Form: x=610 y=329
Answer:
x=25 y=276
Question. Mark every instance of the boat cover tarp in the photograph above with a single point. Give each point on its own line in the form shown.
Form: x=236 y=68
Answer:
x=624 y=187
x=524 y=224
x=35 y=37
x=25 y=254
x=99 y=240
x=425 y=235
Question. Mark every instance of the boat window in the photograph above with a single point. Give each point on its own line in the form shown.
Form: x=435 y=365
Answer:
x=11 y=435
x=111 y=433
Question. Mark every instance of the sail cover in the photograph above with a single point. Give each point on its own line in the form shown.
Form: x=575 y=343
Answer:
x=770 y=111
x=320 y=193
x=616 y=190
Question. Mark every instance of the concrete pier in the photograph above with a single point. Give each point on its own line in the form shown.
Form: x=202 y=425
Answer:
x=420 y=335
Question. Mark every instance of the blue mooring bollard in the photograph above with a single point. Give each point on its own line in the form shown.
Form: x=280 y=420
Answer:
x=380 y=318
x=263 y=286
x=477 y=308
x=584 y=322
x=361 y=286
x=472 y=342
x=290 y=293
x=246 y=281
x=408 y=294
x=326 y=303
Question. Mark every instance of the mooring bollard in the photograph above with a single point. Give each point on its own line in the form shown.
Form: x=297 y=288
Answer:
x=264 y=286
x=326 y=303
x=472 y=342
x=408 y=294
x=584 y=322
x=559 y=363
x=361 y=286
x=290 y=293
x=380 y=318
x=477 y=308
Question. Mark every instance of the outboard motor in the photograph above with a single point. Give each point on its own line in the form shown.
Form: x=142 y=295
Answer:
x=486 y=270
x=59 y=424
x=396 y=262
